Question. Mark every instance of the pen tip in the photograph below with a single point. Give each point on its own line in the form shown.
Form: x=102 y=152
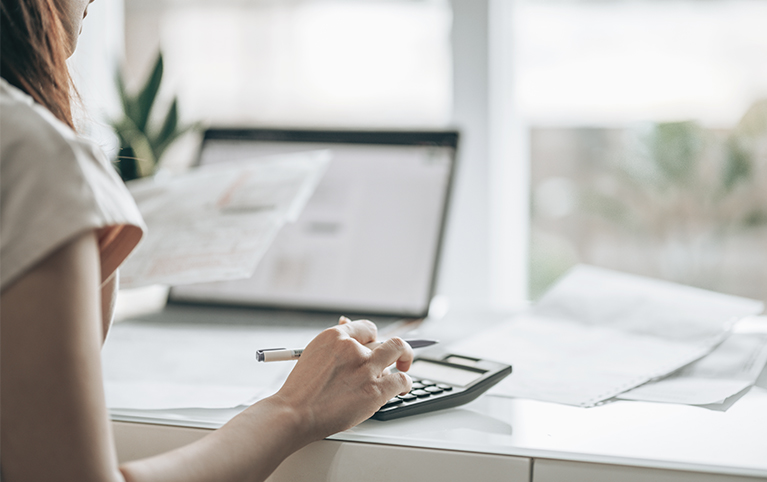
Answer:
x=421 y=343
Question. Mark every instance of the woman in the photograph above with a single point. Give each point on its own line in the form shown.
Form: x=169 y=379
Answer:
x=67 y=224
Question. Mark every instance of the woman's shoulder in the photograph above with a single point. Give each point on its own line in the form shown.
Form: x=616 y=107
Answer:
x=31 y=133
x=54 y=184
x=38 y=147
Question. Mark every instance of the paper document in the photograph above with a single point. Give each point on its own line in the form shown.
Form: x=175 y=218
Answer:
x=732 y=367
x=598 y=333
x=216 y=222
x=154 y=366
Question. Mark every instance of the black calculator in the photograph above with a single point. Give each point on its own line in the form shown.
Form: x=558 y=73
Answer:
x=443 y=381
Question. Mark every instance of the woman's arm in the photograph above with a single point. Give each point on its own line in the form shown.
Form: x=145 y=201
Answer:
x=55 y=423
x=108 y=301
x=54 y=420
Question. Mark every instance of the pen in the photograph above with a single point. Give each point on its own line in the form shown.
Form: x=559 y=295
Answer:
x=285 y=354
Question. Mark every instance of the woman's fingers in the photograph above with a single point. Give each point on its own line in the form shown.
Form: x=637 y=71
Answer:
x=391 y=351
x=398 y=383
x=363 y=331
x=337 y=383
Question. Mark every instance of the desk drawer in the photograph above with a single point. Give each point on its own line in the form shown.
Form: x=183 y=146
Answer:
x=545 y=470
x=333 y=461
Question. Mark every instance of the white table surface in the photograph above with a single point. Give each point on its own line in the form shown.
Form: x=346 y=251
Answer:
x=622 y=432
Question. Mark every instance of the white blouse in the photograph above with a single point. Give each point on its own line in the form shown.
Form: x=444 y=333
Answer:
x=54 y=186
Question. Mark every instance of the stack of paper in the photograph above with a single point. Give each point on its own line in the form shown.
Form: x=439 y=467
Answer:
x=731 y=368
x=599 y=333
x=215 y=223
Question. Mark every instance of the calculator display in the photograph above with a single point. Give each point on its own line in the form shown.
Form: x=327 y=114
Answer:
x=422 y=369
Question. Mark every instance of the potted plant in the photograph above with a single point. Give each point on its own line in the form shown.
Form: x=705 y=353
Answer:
x=144 y=139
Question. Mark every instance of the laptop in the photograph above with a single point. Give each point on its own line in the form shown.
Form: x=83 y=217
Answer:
x=367 y=244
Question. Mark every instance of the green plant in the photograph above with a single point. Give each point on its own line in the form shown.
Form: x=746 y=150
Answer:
x=142 y=143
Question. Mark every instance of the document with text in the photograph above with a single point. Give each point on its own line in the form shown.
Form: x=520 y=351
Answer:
x=215 y=223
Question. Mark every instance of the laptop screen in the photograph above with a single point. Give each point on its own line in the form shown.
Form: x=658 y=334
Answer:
x=368 y=240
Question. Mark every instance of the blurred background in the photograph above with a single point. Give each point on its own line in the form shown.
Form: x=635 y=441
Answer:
x=648 y=126
x=629 y=134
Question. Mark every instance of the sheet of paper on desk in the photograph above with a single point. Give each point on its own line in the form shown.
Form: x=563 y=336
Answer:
x=216 y=222
x=598 y=333
x=154 y=366
x=147 y=395
x=730 y=368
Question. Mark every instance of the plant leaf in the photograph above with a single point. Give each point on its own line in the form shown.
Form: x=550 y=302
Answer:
x=169 y=125
x=131 y=136
x=129 y=103
x=147 y=96
x=124 y=97
x=145 y=159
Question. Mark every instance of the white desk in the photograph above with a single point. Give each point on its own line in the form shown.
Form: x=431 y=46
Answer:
x=501 y=439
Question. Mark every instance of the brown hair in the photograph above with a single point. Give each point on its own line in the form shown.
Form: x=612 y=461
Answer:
x=34 y=46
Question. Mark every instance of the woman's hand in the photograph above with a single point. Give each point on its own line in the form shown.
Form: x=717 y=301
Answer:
x=337 y=383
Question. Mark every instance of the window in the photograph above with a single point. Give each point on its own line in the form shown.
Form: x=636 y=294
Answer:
x=647 y=138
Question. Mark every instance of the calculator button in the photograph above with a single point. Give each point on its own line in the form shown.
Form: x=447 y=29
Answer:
x=420 y=393
x=444 y=387
x=407 y=397
x=427 y=383
x=417 y=386
x=433 y=390
x=393 y=401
